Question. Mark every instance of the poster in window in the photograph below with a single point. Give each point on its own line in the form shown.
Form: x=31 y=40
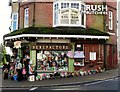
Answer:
x=92 y=55
x=39 y=56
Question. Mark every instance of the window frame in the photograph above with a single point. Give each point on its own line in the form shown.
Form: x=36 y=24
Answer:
x=26 y=21
x=110 y=20
x=14 y=20
x=56 y=12
x=68 y=7
x=83 y=13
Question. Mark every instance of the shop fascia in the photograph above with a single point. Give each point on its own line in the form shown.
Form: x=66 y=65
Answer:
x=51 y=47
x=70 y=54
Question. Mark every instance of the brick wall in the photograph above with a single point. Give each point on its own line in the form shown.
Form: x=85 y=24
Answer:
x=43 y=14
x=14 y=6
x=22 y=7
x=112 y=7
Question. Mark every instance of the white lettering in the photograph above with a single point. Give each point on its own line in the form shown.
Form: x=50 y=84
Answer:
x=104 y=8
x=99 y=7
x=88 y=8
x=96 y=9
x=93 y=7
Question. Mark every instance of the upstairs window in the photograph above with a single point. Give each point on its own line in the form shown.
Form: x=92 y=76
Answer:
x=75 y=5
x=56 y=13
x=64 y=13
x=110 y=20
x=75 y=13
x=26 y=17
x=74 y=17
x=64 y=5
x=14 y=21
x=64 y=17
x=68 y=13
x=83 y=14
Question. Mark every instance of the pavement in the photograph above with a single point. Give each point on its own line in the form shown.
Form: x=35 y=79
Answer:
x=62 y=81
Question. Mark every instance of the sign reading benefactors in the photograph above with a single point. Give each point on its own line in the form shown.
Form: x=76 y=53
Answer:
x=51 y=47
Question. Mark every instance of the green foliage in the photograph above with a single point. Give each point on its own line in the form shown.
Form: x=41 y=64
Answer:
x=4 y=53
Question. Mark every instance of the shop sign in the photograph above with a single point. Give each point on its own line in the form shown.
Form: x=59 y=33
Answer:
x=95 y=9
x=51 y=47
x=17 y=44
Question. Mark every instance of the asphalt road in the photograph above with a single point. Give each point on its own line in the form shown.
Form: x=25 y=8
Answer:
x=109 y=85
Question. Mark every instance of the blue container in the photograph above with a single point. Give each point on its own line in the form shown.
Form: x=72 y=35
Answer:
x=15 y=77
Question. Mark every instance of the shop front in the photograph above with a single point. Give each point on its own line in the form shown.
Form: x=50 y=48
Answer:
x=51 y=55
x=60 y=53
x=59 y=59
x=51 y=58
x=63 y=58
x=89 y=55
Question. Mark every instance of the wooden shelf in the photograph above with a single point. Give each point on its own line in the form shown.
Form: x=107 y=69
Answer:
x=87 y=61
x=99 y=62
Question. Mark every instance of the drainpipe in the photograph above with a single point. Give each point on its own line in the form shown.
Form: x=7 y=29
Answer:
x=18 y=14
x=105 y=55
x=34 y=13
x=104 y=24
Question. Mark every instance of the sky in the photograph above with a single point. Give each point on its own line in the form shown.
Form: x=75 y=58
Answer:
x=5 y=20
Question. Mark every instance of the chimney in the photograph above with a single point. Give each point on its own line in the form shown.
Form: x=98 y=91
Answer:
x=10 y=3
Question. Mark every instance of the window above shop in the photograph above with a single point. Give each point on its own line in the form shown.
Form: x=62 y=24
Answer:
x=14 y=21
x=69 y=13
x=110 y=20
x=26 y=17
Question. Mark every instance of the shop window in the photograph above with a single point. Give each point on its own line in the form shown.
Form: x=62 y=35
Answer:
x=79 y=55
x=79 y=58
x=52 y=60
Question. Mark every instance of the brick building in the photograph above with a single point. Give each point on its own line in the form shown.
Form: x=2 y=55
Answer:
x=62 y=31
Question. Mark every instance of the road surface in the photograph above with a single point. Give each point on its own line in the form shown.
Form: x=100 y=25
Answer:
x=109 y=85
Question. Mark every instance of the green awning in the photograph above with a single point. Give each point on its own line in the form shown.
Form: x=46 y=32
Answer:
x=58 y=31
